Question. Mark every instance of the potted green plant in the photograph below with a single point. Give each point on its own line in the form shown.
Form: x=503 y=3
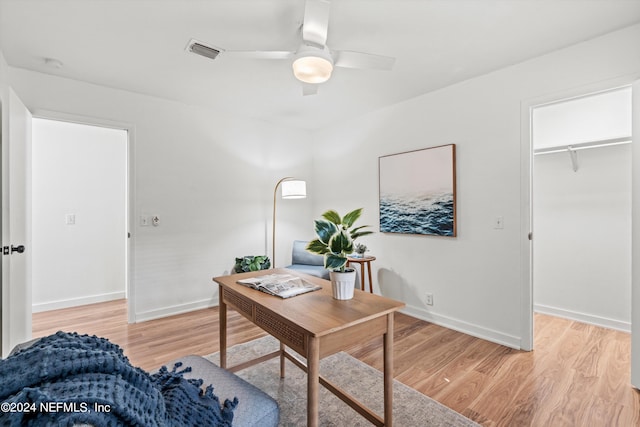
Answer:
x=360 y=249
x=252 y=263
x=336 y=235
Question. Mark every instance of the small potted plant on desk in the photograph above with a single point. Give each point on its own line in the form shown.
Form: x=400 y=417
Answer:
x=335 y=241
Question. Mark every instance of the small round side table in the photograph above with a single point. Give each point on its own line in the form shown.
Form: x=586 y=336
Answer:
x=362 y=261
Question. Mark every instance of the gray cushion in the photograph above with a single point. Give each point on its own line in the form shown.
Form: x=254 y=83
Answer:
x=255 y=407
x=300 y=255
x=22 y=346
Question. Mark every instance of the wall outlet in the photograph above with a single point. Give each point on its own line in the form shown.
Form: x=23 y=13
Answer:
x=429 y=299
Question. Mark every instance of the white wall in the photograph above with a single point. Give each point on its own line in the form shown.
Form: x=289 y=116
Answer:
x=476 y=278
x=208 y=175
x=582 y=227
x=78 y=170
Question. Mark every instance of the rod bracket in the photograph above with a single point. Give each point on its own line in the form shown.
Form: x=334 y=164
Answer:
x=574 y=158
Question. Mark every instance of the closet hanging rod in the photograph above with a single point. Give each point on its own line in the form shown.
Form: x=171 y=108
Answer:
x=584 y=145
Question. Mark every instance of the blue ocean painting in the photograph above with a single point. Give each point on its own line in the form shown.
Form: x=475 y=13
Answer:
x=417 y=192
x=422 y=213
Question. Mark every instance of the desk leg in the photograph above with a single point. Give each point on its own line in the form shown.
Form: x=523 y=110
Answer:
x=388 y=372
x=281 y=360
x=370 y=281
x=362 y=276
x=313 y=381
x=223 y=329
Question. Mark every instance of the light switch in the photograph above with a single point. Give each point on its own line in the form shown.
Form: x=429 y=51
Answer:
x=70 y=219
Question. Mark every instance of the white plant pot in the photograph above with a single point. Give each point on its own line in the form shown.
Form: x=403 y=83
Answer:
x=343 y=284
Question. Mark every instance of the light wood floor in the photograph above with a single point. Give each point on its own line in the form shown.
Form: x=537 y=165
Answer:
x=577 y=376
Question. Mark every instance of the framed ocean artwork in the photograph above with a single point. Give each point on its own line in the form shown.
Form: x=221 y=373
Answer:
x=418 y=191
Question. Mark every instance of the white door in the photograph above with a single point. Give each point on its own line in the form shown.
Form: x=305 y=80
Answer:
x=635 y=243
x=16 y=214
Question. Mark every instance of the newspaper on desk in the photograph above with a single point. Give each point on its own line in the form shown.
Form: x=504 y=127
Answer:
x=280 y=285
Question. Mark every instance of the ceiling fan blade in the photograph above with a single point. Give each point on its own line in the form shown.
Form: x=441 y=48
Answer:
x=349 y=59
x=316 y=22
x=257 y=54
x=309 y=89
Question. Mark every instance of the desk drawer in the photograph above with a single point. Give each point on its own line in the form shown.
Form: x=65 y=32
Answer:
x=240 y=303
x=286 y=332
x=289 y=333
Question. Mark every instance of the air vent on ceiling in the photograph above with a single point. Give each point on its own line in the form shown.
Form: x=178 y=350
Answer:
x=202 y=49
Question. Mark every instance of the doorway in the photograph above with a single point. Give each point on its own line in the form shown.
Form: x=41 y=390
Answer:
x=582 y=208
x=79 y=214
x=528 y=234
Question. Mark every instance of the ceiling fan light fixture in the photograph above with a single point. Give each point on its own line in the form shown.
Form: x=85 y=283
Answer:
x=313 y=65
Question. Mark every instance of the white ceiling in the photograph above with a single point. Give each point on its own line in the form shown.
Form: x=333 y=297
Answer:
x=139 y=45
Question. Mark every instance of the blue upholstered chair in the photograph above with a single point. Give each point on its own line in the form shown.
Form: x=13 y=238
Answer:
x=255 y=408
x=306 y=262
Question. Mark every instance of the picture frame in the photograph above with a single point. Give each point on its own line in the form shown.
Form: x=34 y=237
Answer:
x=417 y=191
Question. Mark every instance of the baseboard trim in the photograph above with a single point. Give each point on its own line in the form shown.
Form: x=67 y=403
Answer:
x=175 y=309
x=464 y=327
x=74 y=302
x=591 y=319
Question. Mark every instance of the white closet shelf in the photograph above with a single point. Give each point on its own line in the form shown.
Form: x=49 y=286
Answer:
x=583 y=145
x=573 y=148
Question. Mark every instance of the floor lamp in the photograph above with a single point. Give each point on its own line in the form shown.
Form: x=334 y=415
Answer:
x=291 y=189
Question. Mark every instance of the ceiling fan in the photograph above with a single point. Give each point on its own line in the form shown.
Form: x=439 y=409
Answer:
x=313 y=61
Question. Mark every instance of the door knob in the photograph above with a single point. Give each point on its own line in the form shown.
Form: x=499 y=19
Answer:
x=19 y=249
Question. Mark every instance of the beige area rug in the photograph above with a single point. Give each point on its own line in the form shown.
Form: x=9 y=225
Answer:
x=410 y=408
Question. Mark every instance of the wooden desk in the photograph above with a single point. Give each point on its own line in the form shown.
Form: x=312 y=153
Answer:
x=314 y=325
x=362 y=261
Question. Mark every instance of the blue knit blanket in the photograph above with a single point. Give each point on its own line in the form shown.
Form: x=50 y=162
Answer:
x=67 y=379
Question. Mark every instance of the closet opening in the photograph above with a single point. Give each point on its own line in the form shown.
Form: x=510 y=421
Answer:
x=581 y=215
